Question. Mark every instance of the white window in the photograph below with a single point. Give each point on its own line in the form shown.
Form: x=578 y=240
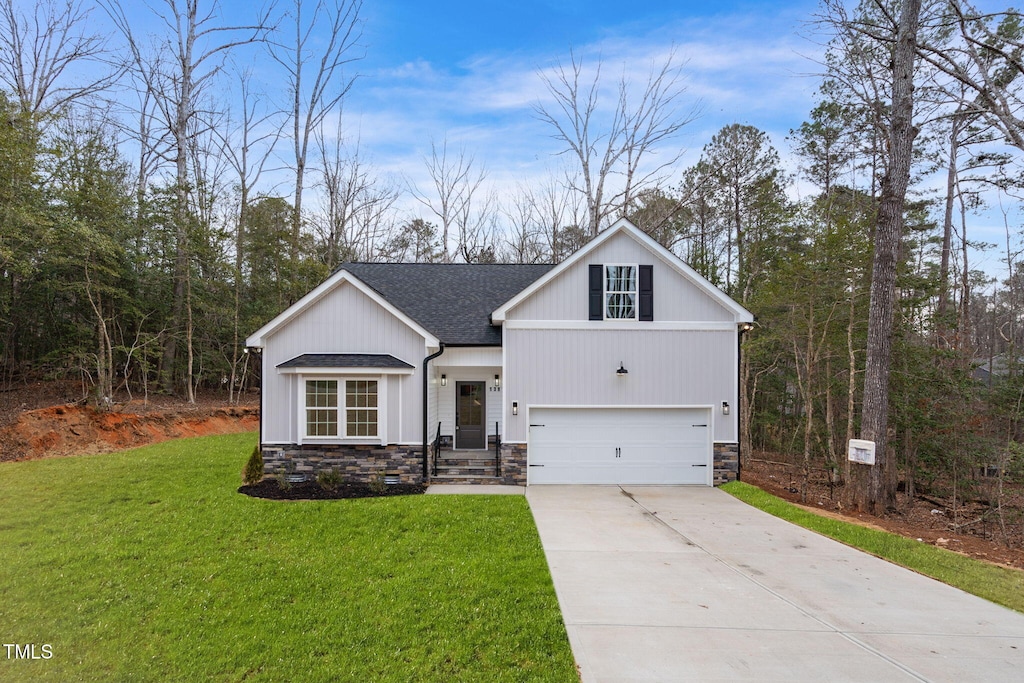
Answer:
x=358 y=417
x=620 y=292
x=322 y=407
x=361 y=407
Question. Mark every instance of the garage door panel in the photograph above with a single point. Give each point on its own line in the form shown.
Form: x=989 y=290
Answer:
x=619 y=446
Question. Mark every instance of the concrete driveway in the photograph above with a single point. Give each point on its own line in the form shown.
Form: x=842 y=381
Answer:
x=690 y=584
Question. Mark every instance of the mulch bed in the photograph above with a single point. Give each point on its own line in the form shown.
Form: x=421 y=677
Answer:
x=310 y=490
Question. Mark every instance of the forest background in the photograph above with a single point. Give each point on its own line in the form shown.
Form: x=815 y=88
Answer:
x=167 y=186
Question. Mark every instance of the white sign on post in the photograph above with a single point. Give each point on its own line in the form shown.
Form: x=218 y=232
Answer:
x=862 y=451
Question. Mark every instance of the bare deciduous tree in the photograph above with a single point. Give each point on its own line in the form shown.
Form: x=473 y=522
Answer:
x=322 y=58
x=247 y=149
x=184 y=64
x=603 y=144
x=38 y=53
x=455 y=185
x=357 y=220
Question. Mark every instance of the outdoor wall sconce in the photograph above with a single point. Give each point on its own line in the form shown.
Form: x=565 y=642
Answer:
x=497 y=381
x=515 y=407
x=725 y=407
x=622 y=371
x=444 y=380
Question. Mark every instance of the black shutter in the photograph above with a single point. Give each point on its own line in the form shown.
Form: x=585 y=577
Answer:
x=597 y=292
x=646 y=292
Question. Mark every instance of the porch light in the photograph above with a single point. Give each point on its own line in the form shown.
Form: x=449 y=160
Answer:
x=497 y=381
x=515 y=407
x=444 y=380
x=725 y=407
x=622 y=371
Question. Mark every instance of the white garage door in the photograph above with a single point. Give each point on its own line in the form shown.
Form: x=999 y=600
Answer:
x=620 y=446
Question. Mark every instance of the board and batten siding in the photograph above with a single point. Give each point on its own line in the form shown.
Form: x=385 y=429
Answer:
x=446 y=397
x=344 y=321
x=576 y=367
x=675 y=297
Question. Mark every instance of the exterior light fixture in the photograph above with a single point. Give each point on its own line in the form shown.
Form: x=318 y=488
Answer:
x=497 y=381
x=746 y=327
x=444 y=380
x=515 y=407
x=622 y=371
x=725 y=407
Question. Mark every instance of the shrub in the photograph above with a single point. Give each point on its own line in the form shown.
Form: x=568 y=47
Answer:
x=377 y=484
x=283 y=482
x=253 y=470
x=330 y=480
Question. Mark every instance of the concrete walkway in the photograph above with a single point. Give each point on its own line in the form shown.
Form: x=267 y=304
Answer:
x=476 y=489
x=690 y=584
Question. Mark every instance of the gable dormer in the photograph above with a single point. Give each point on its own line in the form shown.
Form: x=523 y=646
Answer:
x=622 y=277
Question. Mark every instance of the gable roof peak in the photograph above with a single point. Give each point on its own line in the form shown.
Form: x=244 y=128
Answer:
x=624 y=225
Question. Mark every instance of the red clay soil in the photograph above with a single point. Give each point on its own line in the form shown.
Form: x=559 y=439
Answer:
x=75 y=429
x=931 y=519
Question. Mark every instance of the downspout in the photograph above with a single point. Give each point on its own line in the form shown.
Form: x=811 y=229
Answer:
x=744 y=327
x=426 y=361
x=259 y=443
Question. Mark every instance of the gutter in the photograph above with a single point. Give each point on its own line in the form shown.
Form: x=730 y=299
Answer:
x=426 y=362
x=741 y=389
x=259 y=442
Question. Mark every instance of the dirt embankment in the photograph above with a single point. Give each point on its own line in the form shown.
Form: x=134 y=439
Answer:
x=76 y=429
x=969 y=528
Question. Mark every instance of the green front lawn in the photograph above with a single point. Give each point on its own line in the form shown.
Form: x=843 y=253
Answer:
x=147 y=565
x=998 y=584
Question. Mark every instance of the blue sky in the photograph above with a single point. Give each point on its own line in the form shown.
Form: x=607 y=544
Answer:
x=469 y=70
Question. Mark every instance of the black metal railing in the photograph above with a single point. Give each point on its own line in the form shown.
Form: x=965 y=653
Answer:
x=497 y=451
x=437 y=447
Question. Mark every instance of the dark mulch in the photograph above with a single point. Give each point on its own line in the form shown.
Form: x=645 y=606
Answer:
x=310 y=490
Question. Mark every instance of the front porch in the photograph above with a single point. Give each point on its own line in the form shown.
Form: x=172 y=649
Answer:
x=499 y=464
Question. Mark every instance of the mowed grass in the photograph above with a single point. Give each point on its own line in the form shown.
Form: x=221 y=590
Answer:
x=998 y=584
x=147 y=565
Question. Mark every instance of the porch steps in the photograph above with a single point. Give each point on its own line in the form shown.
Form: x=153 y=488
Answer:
x=476 y=467
x=465 y=479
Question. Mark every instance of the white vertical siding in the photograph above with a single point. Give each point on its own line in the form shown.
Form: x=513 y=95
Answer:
x=343 y=321
x=446 y=396
x=577 y=367
x=675 y=297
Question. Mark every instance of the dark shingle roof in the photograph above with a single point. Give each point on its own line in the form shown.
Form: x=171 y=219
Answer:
x=344 y=360
x=453 y=301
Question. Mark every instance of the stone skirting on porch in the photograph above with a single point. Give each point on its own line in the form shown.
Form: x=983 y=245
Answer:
x=513 y=463
x=366 y=463
x=357 y=464
x=727 y=462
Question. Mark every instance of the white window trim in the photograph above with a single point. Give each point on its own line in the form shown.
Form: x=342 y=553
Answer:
x=382 y=401
x=605 y=292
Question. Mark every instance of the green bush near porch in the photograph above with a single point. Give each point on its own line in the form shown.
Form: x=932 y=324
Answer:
x=147 y=565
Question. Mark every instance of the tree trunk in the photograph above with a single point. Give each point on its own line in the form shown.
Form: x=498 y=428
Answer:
x=874 y=489
x=942 y=326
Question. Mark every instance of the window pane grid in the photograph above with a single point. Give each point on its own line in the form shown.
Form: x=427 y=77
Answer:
x=620 y=291
x=361 y=407
x=322 y=407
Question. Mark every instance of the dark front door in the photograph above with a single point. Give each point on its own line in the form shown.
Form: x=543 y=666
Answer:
x=469 y=415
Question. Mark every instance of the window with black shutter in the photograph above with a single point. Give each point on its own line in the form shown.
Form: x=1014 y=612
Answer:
x=646 y=293
x=597 y=292
x=621 y=292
